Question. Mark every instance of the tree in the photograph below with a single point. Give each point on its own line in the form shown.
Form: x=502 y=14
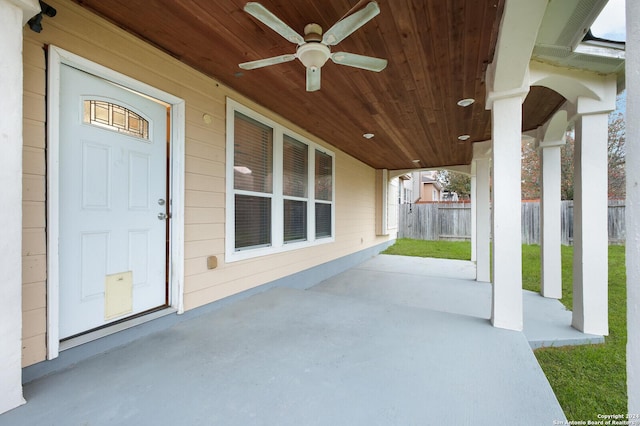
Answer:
x=459 y=183
x=616 y=154
x=566 y=167
x=530 y=176
x=531 y=169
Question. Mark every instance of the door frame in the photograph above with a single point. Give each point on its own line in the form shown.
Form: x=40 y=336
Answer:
x=56 y=58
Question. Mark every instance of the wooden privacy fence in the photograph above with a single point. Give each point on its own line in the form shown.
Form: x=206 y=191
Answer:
x=435 y=221
x=452 y=221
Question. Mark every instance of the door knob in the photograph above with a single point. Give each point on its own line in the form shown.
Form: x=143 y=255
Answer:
x=163 y=216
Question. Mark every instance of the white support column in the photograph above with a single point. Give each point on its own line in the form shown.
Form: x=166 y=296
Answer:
x=550 y=220
x=632 y=214
x=507 y=84
x=382 y=201
x=13 y=16
x=483 y=220
x=506 y=114
x=474 y=214
x=590 y=234
x=481 y=210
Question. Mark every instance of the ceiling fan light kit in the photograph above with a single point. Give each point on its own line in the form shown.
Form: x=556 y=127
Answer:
x=313 y=49
x=313 y=55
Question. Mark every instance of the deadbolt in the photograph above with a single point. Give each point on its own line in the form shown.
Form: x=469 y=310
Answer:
x=161 y=201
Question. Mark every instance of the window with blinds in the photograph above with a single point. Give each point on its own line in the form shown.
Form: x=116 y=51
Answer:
x=295 y=186
x=280 y=187
x=252 y=155
x=253 y=182
x=323 y=193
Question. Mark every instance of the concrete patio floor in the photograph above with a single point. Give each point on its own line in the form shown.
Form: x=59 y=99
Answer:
x=449 y=286
x=393 y=341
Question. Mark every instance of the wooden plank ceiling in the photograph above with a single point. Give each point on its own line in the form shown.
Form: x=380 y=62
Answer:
x=438 y=52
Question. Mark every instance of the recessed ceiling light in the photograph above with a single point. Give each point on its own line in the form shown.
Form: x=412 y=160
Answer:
x=464 y=137
x=415 y=161
x=466 y=102
x=368 y=135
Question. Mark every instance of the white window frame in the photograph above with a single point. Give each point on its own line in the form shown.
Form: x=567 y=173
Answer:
x=277 y=197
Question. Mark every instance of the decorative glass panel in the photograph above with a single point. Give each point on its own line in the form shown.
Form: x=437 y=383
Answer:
x=253 y=155
x=115 y=117
x=253 y=221
x=295 y=221
x=323 y=220
x=295 y=159
x=324 y=173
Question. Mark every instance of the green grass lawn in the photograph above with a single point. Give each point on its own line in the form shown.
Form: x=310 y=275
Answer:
x=592 y=379
x=588 y=380
x=438 y=249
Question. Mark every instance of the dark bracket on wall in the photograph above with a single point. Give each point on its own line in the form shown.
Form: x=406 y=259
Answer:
x=35 y=23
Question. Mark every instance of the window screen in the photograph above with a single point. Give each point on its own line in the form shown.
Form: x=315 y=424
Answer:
x=253 y=221
x=324 y=176
x=323 y=220
x=253 y=175
x=252 y=155
x=295 y=170
x=295 y=220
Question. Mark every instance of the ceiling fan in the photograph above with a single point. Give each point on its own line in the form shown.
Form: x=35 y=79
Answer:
x=313 y=49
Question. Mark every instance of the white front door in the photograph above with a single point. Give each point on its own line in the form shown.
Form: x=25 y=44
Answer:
x=113 y=194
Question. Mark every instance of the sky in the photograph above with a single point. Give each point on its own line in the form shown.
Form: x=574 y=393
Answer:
x=611 y=22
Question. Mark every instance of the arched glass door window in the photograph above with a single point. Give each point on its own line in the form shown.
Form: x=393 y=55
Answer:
x=115 y=117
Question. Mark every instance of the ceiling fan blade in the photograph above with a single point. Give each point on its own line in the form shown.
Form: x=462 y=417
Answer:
x=359 y=61
x=266 y=62
x=263 y=15
x=313 y=79
x=344 y=27
x=357 y=7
